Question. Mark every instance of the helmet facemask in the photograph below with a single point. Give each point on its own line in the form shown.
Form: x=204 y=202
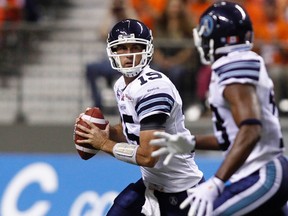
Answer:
x=205 y=49
x=114 y=58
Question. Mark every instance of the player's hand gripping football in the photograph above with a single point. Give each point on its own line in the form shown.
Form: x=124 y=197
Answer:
x=172 y=144
x=92 y=134
x=201 y=198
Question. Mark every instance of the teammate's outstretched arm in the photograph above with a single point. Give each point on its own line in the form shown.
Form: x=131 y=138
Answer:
x=171 y=144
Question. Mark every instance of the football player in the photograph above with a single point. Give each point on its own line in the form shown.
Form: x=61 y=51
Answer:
x=147 y=102
x=246 y=124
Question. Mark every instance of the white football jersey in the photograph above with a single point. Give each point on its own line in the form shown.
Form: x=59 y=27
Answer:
x=151 y=93
x=245 y=67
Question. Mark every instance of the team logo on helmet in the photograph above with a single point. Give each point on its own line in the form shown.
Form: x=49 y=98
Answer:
x=207 y=25
x=124 y=35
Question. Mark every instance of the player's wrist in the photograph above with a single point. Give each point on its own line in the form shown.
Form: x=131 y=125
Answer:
x=103 y=145
x=191 y=141
x=125 y=152
x=220 y=184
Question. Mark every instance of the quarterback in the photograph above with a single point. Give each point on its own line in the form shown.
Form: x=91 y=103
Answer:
x=147 y=102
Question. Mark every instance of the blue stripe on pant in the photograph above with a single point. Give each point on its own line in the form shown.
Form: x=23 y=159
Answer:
x=262 y=193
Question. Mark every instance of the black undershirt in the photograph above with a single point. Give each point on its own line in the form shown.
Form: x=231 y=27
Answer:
x=154 y=122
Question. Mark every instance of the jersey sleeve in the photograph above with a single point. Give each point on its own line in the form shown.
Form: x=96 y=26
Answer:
x=243 y=71
x=154 y=98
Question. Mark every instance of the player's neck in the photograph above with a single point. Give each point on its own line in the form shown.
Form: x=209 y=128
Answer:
x=129 y=79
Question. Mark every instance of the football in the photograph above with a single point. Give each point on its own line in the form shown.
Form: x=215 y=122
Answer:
x=95 y=116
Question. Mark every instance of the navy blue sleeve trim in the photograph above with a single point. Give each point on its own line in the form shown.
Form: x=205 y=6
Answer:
x=157 y=102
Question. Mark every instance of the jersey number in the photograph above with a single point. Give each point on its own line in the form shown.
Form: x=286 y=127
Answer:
x=218 y=124
x=273 y=103
x=127 y=119
x=150 y=76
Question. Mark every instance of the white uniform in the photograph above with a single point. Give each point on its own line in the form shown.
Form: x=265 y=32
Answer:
x=153 y=93
x=260 y=184
x=245 y=67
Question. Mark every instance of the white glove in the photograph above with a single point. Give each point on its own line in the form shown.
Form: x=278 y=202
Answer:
x=202 y=197
x=172 y=144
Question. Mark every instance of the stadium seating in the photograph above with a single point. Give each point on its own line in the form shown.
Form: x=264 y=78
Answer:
x=51 y=87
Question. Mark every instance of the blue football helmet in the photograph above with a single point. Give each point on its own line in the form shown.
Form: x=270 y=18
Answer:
x=130 y=31
x=223 y=28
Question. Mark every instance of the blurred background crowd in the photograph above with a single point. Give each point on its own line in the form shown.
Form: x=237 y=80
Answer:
x=53 y=61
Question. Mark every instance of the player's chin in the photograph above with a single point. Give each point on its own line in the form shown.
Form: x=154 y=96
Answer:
x=128 y=65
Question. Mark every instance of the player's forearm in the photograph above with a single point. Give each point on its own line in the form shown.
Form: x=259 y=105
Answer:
x=233 y=161
x=108 y=146
x=206 y=142
x=244 y=143
x=144 y=151
x=116 y=133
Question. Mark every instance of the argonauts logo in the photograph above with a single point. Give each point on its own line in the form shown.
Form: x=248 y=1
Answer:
x=207 y=25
